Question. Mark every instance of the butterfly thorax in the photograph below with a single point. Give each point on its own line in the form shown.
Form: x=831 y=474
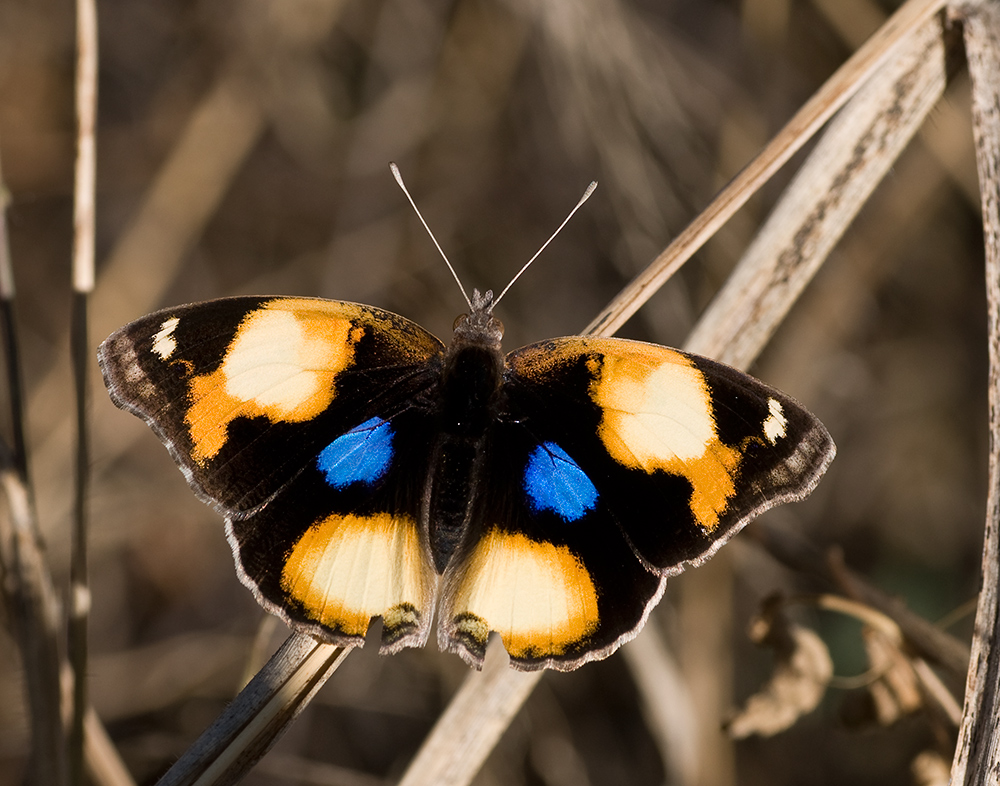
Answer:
x=472 y=371
x=470 y=388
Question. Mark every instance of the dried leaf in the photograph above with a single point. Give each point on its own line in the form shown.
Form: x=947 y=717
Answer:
x=896 y=691
x=930 y=769
x=802 y=671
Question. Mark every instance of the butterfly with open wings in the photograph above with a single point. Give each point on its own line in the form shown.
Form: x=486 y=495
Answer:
x=365 y=470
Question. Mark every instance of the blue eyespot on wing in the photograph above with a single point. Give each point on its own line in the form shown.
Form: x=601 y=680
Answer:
x=362 y=455
x=553 y=481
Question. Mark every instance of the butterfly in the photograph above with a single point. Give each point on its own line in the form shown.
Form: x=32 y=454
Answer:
x=365 y=470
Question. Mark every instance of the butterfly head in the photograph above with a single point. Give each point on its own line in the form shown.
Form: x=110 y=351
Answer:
x=479 y=326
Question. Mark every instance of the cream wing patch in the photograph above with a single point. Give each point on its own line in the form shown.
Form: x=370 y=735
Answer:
x=345 y=570
x=277 y=364
x=281 y=364
x=538 y=596
x=164 y=343
x=776 y=422
x=658 y=415
x=656 y=409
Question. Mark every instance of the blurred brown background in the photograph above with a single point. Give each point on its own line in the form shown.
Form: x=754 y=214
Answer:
x=243 y=149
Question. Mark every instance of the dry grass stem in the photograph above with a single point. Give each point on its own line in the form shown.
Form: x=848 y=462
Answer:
x=85 y=179
x=825 y=102
x=937 y=692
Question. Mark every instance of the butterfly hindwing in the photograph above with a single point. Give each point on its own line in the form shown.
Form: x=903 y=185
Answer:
x=291 y=415
x=544 y=565
x=342 y=542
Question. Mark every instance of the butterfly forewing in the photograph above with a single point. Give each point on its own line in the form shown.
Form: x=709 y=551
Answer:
x=684 y=451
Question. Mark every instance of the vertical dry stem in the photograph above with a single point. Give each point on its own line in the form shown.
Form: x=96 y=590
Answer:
x=83 y=283
x=977 y=756
x=27 y=589
x=35 y=618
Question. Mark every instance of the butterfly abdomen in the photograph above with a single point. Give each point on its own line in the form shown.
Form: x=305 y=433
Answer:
x=449 y=491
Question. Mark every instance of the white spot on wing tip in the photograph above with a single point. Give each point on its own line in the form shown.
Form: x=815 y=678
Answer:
x=163 y=342
x=775 y=423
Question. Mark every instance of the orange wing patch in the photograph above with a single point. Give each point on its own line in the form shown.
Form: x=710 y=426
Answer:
x=347 y=569
x=538 y=596
x=281 y=364
x=657 y=415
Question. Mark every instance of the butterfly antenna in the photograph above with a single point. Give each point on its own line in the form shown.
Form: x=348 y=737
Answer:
x=399 y=179
x=584 y=198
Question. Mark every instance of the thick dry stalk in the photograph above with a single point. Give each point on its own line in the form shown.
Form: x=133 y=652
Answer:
x=255 y=720
x=977 y=756
x=851 y=159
